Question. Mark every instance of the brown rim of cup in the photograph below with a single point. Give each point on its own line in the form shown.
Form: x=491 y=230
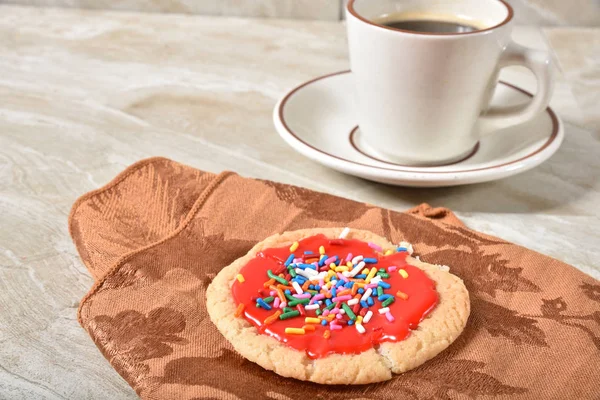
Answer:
x=351 y=10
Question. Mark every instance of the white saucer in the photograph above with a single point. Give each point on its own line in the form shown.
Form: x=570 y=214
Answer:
x=317 y=120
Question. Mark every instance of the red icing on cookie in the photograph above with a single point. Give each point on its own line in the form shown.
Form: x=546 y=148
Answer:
x=407 y=313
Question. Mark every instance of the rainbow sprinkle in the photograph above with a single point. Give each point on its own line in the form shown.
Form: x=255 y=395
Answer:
x=240 y=278
x=344 y=233
x=360 y=328
x=272 y=318
x=239 y=310
x=402 y=295
x=295 y=331
x=329 y=290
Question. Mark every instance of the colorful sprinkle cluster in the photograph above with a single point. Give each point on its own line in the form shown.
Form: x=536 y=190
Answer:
x=341 y=292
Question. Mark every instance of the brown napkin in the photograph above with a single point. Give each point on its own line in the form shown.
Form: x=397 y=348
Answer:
x=159 y=232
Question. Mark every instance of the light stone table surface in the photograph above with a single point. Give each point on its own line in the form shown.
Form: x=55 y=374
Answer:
x=83 y=94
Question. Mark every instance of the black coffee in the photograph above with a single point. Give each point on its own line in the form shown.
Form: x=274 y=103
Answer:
x=430 y=26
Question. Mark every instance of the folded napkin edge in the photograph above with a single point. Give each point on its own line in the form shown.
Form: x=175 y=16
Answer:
x=80 y=244
x=215 y=182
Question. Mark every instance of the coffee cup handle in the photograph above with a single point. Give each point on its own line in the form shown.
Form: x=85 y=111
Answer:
x=540 y=63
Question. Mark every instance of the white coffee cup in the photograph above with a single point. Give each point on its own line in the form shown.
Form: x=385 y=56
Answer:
x=423 y=98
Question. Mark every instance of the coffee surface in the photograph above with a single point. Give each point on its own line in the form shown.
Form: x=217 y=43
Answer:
x=425 y=23
x=430 y=26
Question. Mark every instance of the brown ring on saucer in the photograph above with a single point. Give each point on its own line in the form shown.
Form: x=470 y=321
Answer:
x=351 y=10
x=364 y=153
x=551 y=139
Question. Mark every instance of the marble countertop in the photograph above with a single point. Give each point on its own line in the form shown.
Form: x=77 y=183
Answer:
x=83 y=94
